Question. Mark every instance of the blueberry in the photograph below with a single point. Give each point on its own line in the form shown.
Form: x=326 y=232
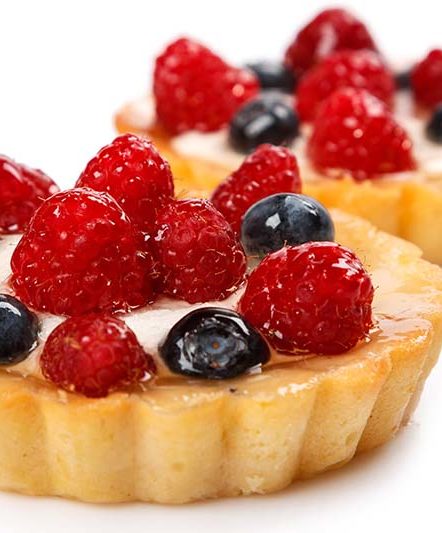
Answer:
x=18 y=330
x=273 y=75
x=403 y=80
x=434 y=126
x=268 y=119
x=213 y=343
x=282 y=219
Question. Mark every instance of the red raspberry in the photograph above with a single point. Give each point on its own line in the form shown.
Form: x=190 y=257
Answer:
x=22 y=190
x=81 y=253
x=268 y=170
x=196 y=89
x=201 y=258
x=426 y=79
x=361 y=69
x=356 y=133
x=132 y=171
x=310 y=298
x=331 y=30
x=94 y=355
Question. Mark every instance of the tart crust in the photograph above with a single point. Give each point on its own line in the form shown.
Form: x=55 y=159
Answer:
x=181 y=440
x=409 y=207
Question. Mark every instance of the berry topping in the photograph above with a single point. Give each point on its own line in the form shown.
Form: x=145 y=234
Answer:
x=22 y=190
x=273 y=75
x=284 y=219
x=315 y=297
x=268 y=170
x=426 y=79
x=94 y=355
x=403 y=80
x=201 y=259
x=196 y=89
x=331 y=30
x=268 y=119
x=434 y=126
x=81 y=253
x=132 y=171
x=213 y=343
x=18 y=330
x=361 y=69
x=355 y=132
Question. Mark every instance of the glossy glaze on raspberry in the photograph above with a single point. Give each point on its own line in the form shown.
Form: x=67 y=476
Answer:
x=195 y=89
x=81 y=253
x=200 y=257
x=315 y=298
x=355 y=133
x=22 y=190
x=361 y=69
x=94 y=355
x=426 y=79
x=330 y=31
x=268 y=170
x=132 y=171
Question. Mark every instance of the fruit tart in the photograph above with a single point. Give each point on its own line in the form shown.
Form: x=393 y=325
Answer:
x=374 y=149
x=151 y=351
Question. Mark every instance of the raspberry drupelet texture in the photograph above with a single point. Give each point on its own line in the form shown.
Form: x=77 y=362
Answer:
x=94 y=355
x=132 y=171
x=80 y=254
x=268 y=170
x=426 y=79
x=22 y=190
x=199 y=255
x=196 y=89
x=330 y=31
x=361 y=69
x=355 y=133
x=315 y=298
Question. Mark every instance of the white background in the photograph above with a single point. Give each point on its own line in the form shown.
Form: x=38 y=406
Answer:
x=64 y=69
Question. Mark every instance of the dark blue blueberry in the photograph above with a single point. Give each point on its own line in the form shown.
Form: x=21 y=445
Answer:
x=18 y=330
x=434 y=126
x=403 y=80
x=213 y=343
x=273 y=75
x=268 y=119
x=282 y=219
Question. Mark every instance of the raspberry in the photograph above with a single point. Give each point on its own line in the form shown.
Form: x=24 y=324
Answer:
x=79 y=254
x=426 y=79
x=22 y=190
x=196 y=89
x=330 y=31
x=268 y=170
x=355 y=132
x=132 y=171
x=94 y=355
x=361 y=69
x=200 y=257
x=315 y=297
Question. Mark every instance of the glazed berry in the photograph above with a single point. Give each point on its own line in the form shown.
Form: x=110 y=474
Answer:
x=196 y=89
x=22 y=190
x=132 y=171
x=95 y=355
x=426 y=79
x=315 y=298
x=361 y=69
x=268 y=119
x=284 y=219
x=355 y=133
x=403 y=80
x=199 y=255
x=434 y=127
x=18 y=330
x=273 y=75
x=81 y=253
x=268 y=170
x=213 y=343
x=330 y=31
